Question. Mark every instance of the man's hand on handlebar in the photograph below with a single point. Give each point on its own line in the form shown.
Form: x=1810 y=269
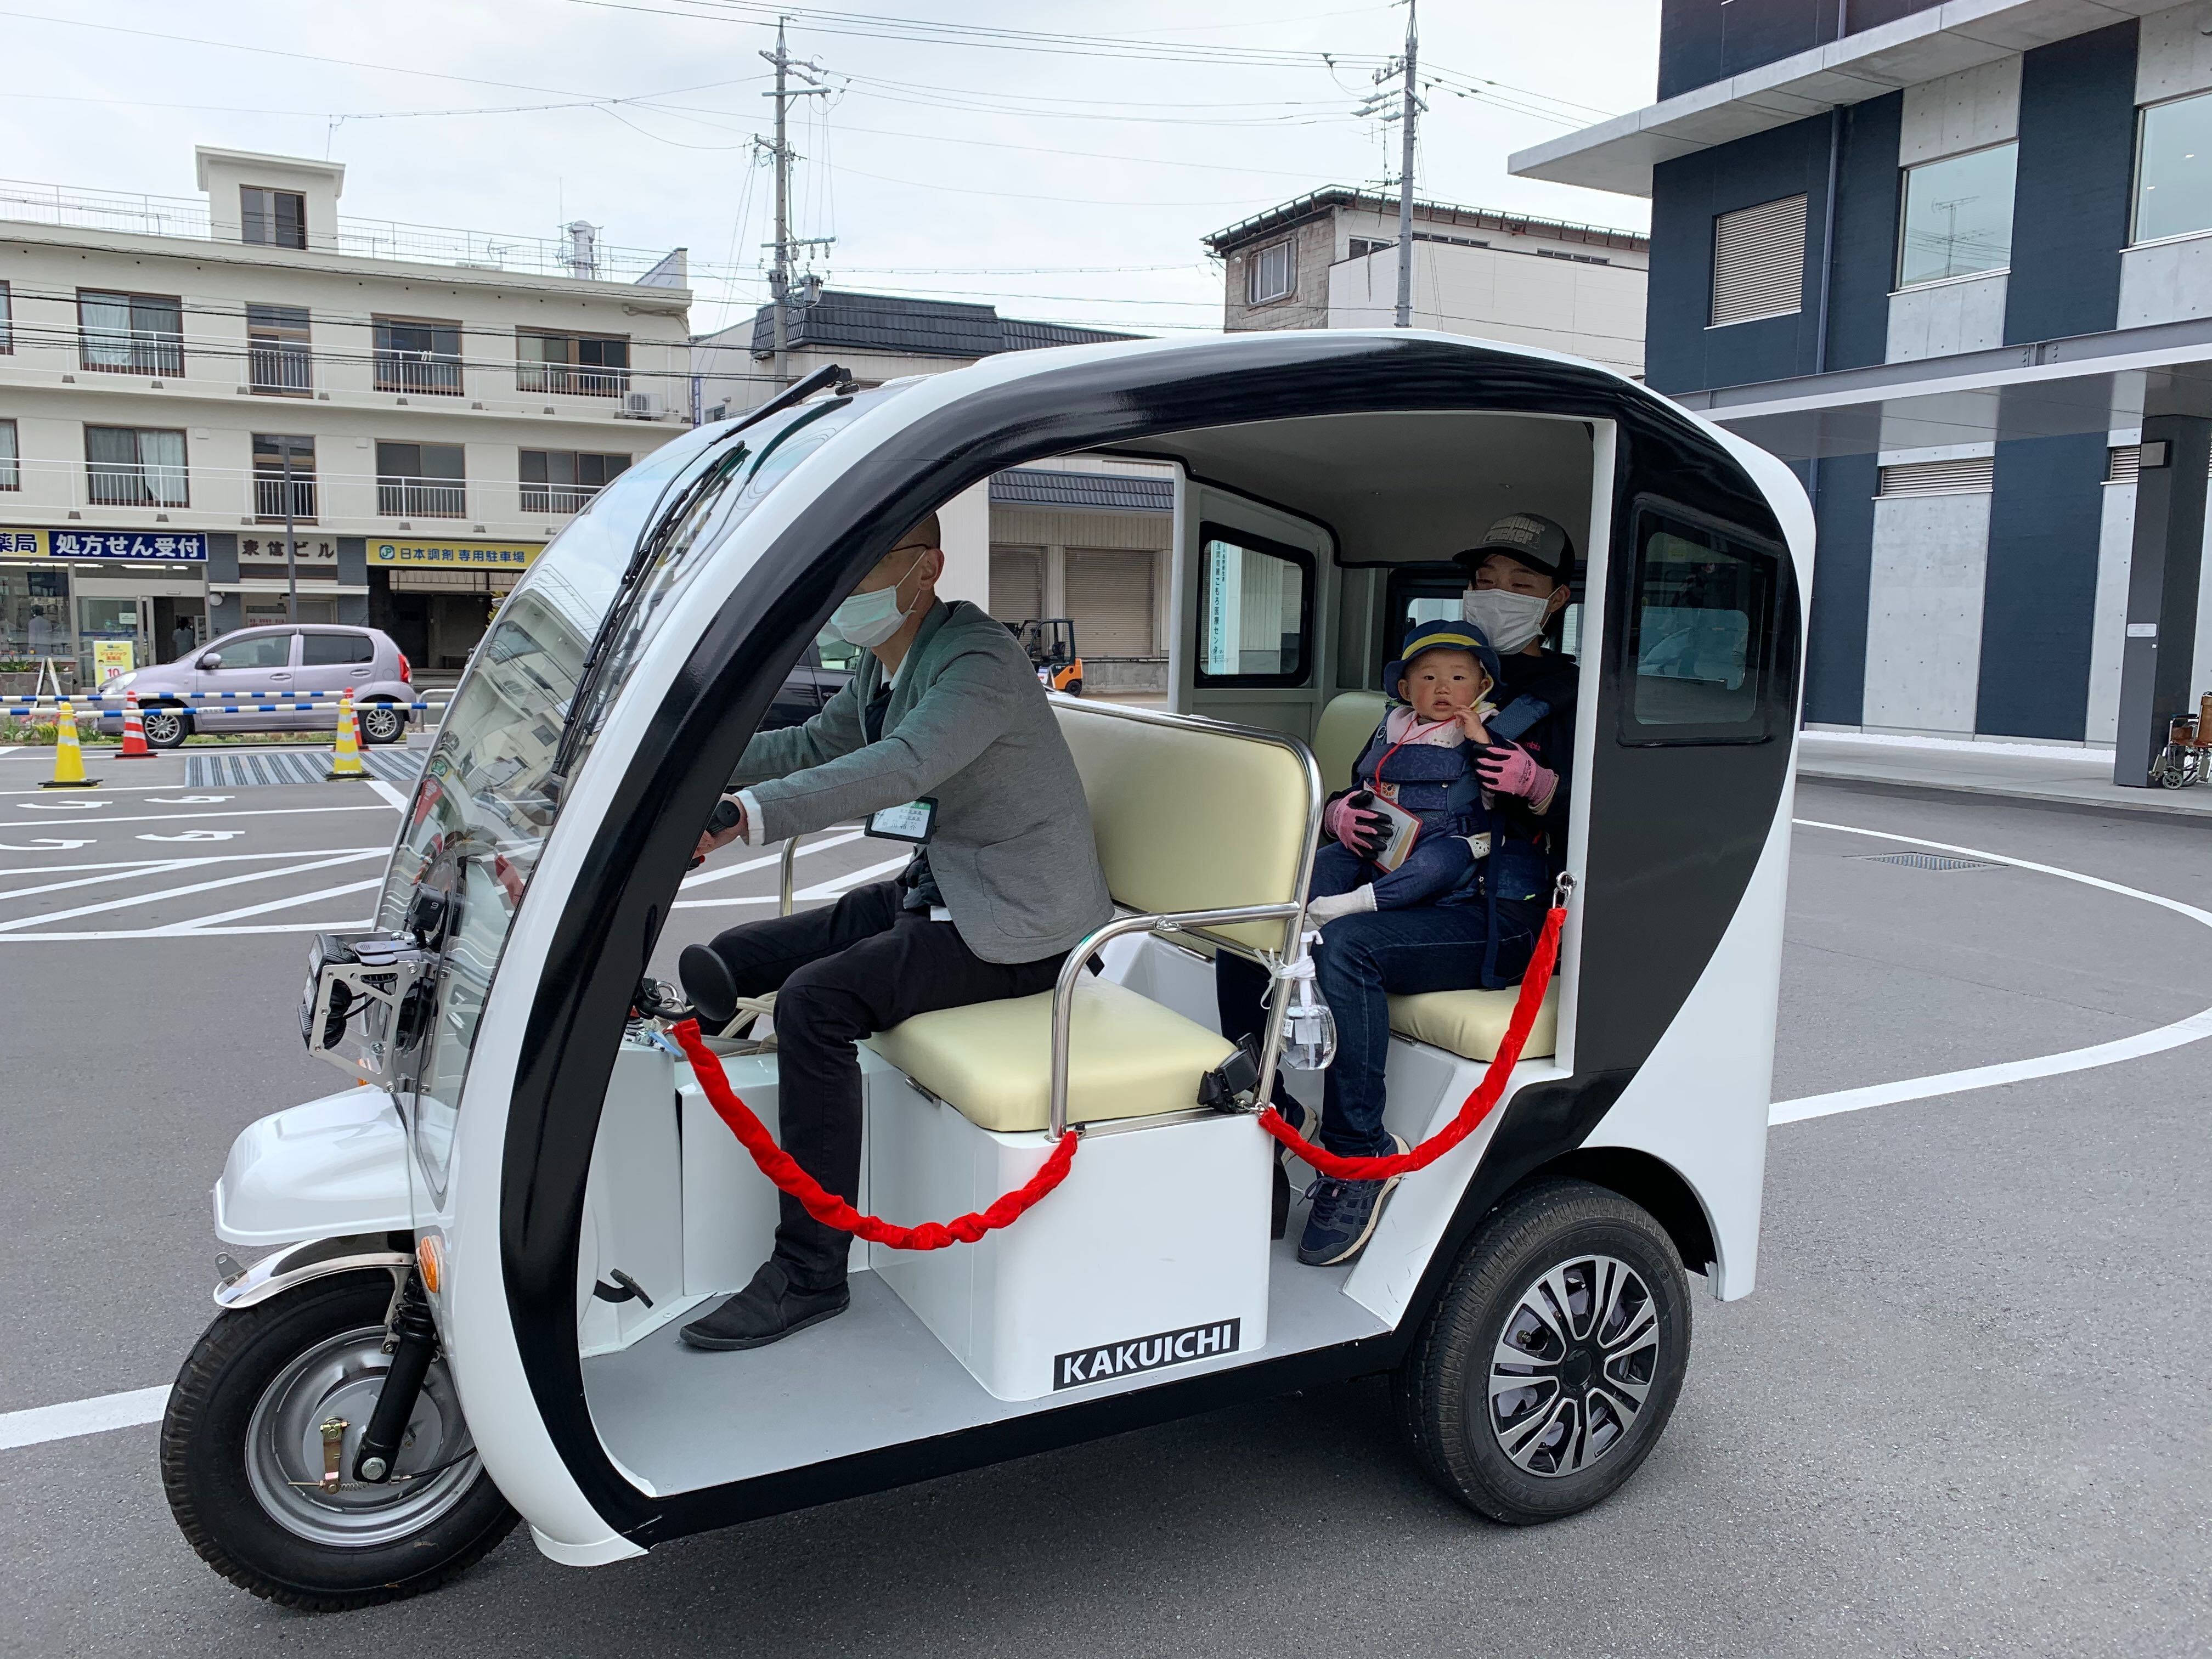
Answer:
x=728 y=824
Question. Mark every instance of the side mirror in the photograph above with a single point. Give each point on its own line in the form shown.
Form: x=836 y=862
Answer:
x=213 y=659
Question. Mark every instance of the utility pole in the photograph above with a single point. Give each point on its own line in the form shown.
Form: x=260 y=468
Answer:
x=1405 y=70
x=779 y=280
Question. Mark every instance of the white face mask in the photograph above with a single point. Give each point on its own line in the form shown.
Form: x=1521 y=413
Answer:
x=1507 y=620
x=867 y=619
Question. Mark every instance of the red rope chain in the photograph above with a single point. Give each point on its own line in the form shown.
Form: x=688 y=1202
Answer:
x=825 y=1205
x=1475 y=1108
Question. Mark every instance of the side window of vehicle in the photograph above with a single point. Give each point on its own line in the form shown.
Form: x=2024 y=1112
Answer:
x=1255 y=604
x=1700 y=637
x=332 y=650
x=836 y=654
x=258 y=650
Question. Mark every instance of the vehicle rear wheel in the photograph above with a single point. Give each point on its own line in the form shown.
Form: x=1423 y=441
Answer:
x=242 y=1456
x=383 y=722
x=1075 y=688
x=167 y=725
x=1550 y=1364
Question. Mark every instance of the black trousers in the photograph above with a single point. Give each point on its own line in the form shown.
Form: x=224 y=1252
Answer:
x=841 y=974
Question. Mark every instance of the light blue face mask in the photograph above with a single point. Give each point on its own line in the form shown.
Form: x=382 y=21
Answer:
x=867 y=619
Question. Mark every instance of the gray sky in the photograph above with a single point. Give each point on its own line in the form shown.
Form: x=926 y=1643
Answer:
x=941 y=167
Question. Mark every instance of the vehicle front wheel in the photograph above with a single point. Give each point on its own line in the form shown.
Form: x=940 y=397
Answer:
x=243 y=1459
x=1550 y=1364
x=166 y=726
x=383 y=722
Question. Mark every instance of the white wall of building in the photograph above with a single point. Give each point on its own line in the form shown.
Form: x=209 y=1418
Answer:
x=1593 y=311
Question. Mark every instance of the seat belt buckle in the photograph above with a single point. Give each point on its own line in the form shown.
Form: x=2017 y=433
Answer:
x=1230 y=1087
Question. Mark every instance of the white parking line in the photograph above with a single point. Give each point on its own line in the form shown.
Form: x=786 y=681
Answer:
x=96 y=1416
x=830 y=889
x=131 y=874
x=194 y=817
x=727 y=870
x=2194 y=1028
x=196 y=857
x=20 y=923
x=391 y=797
x=200 y=924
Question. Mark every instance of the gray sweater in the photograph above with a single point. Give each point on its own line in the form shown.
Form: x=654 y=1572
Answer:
x=969 y=724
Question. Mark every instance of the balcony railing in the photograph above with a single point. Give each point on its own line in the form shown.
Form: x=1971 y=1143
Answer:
x=574 y=382
x=421 y=498
x=557 y=498
x=408 y=372
x=269 y=498
x=280 y=371
x=110 y=353
x=116 y=484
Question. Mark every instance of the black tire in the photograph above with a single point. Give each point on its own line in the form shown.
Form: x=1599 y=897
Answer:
x=1499 y=1458
x=167 y=725
x=240 y=1364
x=382 y=722
x=1075 y=688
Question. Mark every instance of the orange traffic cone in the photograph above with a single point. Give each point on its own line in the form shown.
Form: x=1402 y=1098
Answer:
x=134 y=731
x=346 y=753
x=69 y=757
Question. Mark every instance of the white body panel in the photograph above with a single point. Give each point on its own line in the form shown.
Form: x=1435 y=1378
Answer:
x=329 y=1167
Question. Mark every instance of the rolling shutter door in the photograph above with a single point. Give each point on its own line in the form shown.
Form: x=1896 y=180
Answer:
x=1110 y=596
x=1017 y=583
x=1758 y=261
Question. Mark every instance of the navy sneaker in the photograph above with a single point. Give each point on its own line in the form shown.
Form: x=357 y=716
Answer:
x=1343 y=1216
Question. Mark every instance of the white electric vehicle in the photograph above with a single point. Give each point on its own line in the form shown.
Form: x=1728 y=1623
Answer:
x=481 y=1251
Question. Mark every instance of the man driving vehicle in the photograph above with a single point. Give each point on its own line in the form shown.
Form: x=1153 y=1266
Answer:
x=943 y=713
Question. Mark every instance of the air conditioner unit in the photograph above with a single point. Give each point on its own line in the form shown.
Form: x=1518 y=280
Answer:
x=642 y=406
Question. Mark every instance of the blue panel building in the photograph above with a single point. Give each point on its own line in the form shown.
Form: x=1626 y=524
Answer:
x=1952 y=262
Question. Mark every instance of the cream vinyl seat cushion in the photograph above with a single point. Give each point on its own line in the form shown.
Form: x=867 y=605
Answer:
x=991 y=1061
x=1472 y=1023
x=1342 y=731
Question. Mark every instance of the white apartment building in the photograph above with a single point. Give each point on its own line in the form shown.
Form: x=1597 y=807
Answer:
x=1330 y=259
x=430 y=405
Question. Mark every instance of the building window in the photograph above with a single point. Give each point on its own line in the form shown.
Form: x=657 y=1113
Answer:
x=418 y=356
x=1270 y=274
x=563 y=480
x=272 y=218
x=1255 y=610
x=1364 y=246
x=420 y=481
x=1958 y=216
x=11 y=475
x=588 y=365
x=132 y=466
x=277 y=461
x=1971 y=475
x=131 y=333
x=1758 y=262
x=278 y=364
x=7 y=321
x=2173 y=168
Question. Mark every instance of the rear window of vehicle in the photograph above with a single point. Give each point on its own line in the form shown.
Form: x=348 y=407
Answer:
x=327 y=650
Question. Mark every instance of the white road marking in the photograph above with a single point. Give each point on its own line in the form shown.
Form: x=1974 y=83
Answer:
x=187 y=800
x=197 y=835
x=200 y=923
x=391 y=797
x=129 y=872
x=180 y=859
x=63 y=805
x=108 y=1411
x=727 y=870
x=348 y=924
x=48 y=844
x=21 y=923
x=190 y=818
x=9 y=750
x=2193 y=1028
x=823 y=889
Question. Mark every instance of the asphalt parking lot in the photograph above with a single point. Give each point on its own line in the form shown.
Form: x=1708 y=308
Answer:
x=1962 y=1413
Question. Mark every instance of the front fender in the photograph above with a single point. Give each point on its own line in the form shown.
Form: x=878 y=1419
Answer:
x=318 y=1258
x=332 y=1168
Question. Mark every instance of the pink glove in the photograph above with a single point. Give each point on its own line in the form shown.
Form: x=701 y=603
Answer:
x=1351 y=824
x=1508 y=769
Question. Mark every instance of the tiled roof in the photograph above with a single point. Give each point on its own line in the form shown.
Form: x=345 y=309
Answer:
x=1117 y=492
x=925 y=328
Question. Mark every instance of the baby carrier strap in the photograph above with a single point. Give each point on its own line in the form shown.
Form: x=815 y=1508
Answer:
x=1518 y=717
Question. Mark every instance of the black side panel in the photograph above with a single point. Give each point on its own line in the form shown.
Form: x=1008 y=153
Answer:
x=2040 y=593
x=1865 y=261
x=1835 y=656
x=1682 y=832
x=2070 y=217
x=1689 y=44
x=1681 y=353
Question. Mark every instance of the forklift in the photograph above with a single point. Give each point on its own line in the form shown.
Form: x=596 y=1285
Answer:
x=1051 y=645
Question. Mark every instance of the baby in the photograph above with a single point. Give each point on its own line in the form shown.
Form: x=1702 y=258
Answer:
x=1416 y=776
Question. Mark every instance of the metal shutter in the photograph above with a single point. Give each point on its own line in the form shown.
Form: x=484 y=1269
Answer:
x=2123 y=464
x=1758 y=261
x=1017 y=583
x=1973 y=472
x=1110 y=595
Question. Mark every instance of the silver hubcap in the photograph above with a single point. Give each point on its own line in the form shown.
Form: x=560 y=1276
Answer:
x=340 y=1379
x=382 y=725
x=1574 y=1365
x=158 y=726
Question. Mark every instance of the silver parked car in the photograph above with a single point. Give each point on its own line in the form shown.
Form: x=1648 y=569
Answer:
x=283 y=666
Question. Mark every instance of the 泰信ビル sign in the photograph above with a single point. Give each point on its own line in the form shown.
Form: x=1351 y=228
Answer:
x=147 y=546
x=453 y=556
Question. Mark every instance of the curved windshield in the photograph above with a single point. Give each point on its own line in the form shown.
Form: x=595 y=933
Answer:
x=491 y=789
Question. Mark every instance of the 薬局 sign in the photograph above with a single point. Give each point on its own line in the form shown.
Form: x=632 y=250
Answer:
x=165 y=548
x=454 y=555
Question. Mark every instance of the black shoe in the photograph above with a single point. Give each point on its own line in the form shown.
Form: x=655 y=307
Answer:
x=1278 y=1202
x=708 y=983
x=767 y=1311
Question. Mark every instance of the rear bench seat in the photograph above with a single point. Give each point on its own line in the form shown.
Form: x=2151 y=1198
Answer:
x=1470 y=1023
x=1186 y=818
